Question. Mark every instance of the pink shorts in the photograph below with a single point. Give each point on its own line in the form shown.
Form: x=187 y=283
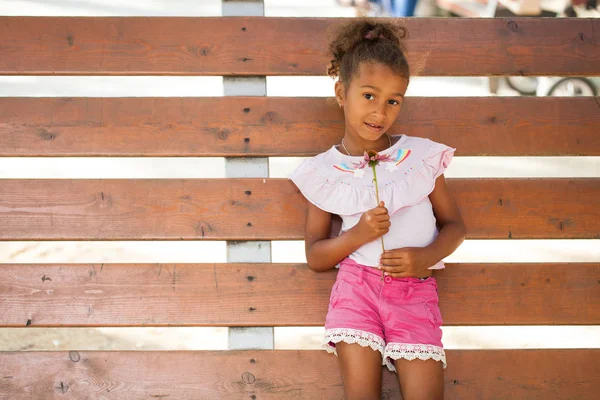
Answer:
x=399 y=317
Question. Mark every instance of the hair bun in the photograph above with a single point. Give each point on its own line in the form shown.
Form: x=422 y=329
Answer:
x=366 y=39
x=372 y=35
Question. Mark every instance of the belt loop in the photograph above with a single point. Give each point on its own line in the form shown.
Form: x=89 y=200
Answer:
x=360 y=275
x=409 y=291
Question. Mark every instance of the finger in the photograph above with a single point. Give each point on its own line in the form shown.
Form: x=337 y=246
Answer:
x=383 y=224
x=391 y=254
x=380 y=211
x=399 y=250
x=382 y=217
x=381 y=232
x=390 y=263
x=392 y=268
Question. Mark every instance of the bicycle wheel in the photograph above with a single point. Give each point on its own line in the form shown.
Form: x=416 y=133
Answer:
x=570 y=87
x=525 y=85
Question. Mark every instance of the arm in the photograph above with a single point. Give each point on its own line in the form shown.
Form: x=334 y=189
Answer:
x=452 y=227
x=323 y=252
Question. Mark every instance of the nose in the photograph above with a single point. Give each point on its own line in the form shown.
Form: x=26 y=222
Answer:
x=379 y=110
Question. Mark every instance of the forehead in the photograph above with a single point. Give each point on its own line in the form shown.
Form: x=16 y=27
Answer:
x=380 y=76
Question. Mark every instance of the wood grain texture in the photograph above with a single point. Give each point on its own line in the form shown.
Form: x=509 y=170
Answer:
x=265 y=209
x=269 y=294
x=284 y=374
x=228 y=46
x=276 y=126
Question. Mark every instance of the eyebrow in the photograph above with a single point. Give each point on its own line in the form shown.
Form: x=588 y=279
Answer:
x=379 y=90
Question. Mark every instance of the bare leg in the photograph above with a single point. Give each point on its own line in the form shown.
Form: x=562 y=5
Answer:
x=361 y=371
x=420 y=379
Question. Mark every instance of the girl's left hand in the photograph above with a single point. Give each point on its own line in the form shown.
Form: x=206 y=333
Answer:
x=407 y=261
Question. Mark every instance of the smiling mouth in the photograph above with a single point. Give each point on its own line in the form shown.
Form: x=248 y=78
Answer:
x=374 y=126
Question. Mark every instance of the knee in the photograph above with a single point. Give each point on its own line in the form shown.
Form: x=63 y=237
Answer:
x=362 y=395
x=423 y=395
x=357 y=390
x=426 y=397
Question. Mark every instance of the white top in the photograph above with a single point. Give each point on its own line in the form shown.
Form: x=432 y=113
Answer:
x=336 y=183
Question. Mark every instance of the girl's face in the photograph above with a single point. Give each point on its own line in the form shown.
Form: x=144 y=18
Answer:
x=372 y=101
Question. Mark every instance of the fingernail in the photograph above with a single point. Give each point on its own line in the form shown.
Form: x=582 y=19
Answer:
x=385 y=273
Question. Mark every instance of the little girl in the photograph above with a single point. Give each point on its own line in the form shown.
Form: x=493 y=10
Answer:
x=383 y=308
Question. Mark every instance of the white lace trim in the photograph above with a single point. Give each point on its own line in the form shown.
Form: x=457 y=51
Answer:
x=410 y=351
x=363 y=338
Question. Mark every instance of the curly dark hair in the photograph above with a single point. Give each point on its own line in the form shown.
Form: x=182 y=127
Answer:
x=366 y=40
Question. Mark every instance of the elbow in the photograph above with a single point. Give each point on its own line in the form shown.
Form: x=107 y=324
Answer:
x=311 y=262
x=316 y=259
x=458 y=229
x=314 y=265
x=312 y=259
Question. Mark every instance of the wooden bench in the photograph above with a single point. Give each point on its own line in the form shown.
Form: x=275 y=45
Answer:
x=263 y=294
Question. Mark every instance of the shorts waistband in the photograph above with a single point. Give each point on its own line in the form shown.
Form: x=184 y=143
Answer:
x=351 y=266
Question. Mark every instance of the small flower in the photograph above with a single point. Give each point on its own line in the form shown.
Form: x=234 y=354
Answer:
x=391 y=167
x=372 y=158
x=359 y=173
x=360 y=165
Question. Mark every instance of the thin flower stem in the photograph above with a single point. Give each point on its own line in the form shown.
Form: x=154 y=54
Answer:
x=377 y=195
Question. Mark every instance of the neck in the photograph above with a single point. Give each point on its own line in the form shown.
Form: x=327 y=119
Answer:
x=357 y=146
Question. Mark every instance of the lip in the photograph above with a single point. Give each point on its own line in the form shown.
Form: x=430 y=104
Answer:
x=378 y=128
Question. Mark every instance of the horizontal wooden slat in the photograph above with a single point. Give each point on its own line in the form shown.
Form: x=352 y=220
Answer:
x=289 y=46
x=254 y=126
x=269 y=294
x=248 y=209
x=285 y=374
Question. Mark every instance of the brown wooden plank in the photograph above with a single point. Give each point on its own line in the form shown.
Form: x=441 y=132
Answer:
x=285 y=374
x=228 y=46
x=248 y=209
x=279 y=126
x=268 y=295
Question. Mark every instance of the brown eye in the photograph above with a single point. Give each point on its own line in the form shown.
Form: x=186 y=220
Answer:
x=369 y=96
x=393 y=102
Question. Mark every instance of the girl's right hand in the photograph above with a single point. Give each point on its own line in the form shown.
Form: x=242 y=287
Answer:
x=374 y=223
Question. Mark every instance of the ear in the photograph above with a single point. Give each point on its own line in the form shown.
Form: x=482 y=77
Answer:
x=340 y=93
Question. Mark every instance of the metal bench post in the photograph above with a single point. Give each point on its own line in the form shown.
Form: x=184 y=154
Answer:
x=247 y=167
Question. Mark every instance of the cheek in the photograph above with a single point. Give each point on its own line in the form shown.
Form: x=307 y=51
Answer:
x=393 y=113
x=354 y=112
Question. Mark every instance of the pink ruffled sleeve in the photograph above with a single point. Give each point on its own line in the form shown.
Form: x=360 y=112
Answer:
x=439 y=158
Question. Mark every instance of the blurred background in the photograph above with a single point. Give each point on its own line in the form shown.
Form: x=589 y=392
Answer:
x=191 y=338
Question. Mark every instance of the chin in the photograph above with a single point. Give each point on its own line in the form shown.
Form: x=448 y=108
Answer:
x=373 y=137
